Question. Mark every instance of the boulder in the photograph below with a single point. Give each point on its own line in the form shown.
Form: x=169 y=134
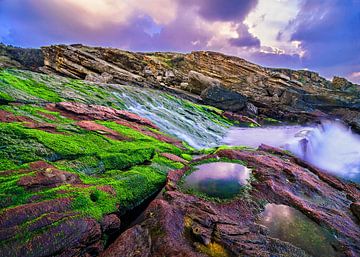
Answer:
x=223 y=98
x=102 y=78
x=198 y=82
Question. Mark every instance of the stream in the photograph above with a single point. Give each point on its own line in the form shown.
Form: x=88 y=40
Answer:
x=330 y=145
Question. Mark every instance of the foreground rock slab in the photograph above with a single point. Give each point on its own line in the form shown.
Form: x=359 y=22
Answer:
x=181 y=224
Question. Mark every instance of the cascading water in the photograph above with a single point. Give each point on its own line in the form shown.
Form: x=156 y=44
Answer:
x=174 y=116
x=330 y=146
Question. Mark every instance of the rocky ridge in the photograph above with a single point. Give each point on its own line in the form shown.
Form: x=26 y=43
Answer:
x=279 y=93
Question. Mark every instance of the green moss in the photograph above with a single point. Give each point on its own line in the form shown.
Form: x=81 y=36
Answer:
x=166 y=162
x=94 y=202
x=4 y=97
x=186 y=156
x=271 y=120
x=18 y=147
x=29 y=86
x=214 y=150
x=93 y=93
x=86 y=153
x=212 y=113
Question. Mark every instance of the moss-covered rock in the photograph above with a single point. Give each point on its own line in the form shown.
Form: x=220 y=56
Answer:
x=66 y=166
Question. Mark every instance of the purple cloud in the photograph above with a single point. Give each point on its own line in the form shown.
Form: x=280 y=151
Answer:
x=329 y=31
x=246 y=39
x=228 y=10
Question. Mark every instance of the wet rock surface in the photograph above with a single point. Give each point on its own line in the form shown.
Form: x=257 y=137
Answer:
x=276 y=92
x=184 y=225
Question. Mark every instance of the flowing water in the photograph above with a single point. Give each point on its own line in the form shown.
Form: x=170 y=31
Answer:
x=330 y=146
x=223 y=180
x=290 y=225
x=174 y=116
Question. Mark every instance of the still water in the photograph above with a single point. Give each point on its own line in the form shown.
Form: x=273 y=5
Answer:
x=223 y=180
x=290 y=225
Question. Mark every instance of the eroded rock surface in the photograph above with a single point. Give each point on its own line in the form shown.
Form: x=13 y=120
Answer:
x=276 y=92
x=181 y=224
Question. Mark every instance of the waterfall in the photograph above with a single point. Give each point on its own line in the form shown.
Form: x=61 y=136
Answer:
x=330 y=146
x=174 y=116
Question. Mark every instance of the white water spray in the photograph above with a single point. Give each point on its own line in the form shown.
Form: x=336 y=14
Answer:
x=330 y=146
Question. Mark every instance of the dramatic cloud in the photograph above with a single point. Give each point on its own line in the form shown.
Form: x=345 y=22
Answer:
x=320 y=35
x=228 y=10
x=329 y=33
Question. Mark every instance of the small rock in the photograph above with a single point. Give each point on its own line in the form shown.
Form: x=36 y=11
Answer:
x=251 y=109
x=355 y=208
x=110 y=223
x=103 y=78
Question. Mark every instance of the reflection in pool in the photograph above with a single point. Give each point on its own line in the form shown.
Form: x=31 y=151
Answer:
x=330 y=146
x=223 y=180
x=290 y=225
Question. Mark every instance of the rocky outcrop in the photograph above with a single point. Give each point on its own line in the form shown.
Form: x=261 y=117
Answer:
x=23 y=58
x=274 y=91
x=342 y=84
x=182 y=224
x=199 y=82
x=223 y=99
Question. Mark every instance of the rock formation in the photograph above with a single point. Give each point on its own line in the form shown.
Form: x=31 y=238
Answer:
x=84 y=153
x=180 y=224
x=279 y=93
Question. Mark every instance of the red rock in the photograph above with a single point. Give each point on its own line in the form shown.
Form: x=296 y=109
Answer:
x=110 y=223
x=184 y=225
x=239 y=117
x=135 y=118
x=174 y=157
x=85 y=113
x=39 y=165
x=70 y=237
x=51 y=177
x=355 y=208
x=20 y=214
x=48 y=127
x=9 y=117
x=79 y=111
x=93 y=126
x=107 y=189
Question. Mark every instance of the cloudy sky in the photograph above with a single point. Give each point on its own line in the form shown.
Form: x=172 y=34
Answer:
x=320 y=35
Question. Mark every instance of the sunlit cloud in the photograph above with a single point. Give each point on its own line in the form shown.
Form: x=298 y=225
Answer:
x=319 y=35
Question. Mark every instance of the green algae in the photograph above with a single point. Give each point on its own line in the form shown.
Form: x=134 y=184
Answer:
x=29 y=86
x=119 y=164
x=116 y=175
